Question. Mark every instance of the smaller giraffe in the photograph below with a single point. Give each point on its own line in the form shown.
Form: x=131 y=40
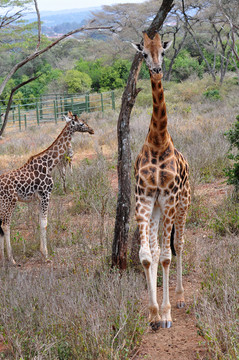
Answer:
x=34 y=180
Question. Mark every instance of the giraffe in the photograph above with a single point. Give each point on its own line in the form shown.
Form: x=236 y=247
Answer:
x=34 y=180
x=162 y=192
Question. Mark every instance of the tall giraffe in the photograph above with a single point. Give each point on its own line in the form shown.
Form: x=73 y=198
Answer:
x=162 y=192
x=34 y=180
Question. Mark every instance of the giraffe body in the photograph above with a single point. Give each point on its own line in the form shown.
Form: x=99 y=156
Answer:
x=162 y=194
x=34 y=180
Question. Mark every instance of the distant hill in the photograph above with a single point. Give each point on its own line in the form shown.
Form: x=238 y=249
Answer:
x=62 y=21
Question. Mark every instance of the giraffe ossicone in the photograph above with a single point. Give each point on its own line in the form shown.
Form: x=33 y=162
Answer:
x=162 y=192
x=34 y=180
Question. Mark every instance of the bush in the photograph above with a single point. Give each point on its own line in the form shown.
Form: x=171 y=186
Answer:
x=185 y=65
x=232 y=172
x=212 y=94
x=77 y=82
x=226 y=220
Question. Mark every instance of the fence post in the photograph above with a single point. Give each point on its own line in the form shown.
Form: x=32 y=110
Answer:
x=72 y=104
x=13 y=116
x=19 y=117
x=113 y=100
x=86 y=104
x=102 y=102
x=0 y=117
x=37 y=112
x=25 y=120
x=41 y=113
x=55 y=112
x=61 y=107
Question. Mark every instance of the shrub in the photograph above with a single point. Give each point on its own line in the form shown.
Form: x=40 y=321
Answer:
x=94 y=189
x=77 y=82
x=212 y=94
x=185 y=65
x=226 y=220
x=232 y=172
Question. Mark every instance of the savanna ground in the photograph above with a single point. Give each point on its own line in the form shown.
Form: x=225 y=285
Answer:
x=77 y=307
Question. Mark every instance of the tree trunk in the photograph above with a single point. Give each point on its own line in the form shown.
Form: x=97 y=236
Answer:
x=120 y=241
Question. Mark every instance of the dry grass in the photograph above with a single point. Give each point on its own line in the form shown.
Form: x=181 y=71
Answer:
x=49 y=314
x=217 y=306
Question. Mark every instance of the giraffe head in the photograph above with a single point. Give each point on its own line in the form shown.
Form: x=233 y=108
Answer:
x=77 y=124
x=153 y=53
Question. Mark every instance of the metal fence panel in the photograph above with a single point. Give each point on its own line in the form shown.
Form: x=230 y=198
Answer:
x=51 y=108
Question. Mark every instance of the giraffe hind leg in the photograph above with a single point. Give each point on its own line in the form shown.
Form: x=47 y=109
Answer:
x=1 y=229
x=1 y=243
x=179 y=241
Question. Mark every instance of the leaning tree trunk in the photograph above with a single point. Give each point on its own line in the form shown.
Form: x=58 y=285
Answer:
x=119 y=247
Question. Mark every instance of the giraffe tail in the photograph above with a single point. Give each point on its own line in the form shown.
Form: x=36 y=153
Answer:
x=1 y=230
x=172 y=241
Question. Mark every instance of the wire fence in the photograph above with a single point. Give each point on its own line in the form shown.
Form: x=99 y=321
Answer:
x=50 y=108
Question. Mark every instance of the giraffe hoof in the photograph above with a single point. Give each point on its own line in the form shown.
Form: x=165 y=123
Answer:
x=48 y=261
x=165 y=324
x=155 y=325
x=180 y=304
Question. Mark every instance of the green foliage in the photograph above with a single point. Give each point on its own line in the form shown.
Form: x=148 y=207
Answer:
x=232 y=172
x=212 y=94
x=77 y=82
x=32 y=90
x=185 y=65
x=105 y=77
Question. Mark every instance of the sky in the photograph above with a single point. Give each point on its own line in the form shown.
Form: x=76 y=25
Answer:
x=78 y=4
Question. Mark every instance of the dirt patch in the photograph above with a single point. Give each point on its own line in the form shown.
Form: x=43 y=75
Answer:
x=182 y=340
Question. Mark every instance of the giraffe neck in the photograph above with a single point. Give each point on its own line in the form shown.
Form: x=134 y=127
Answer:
x=55 y=152
x=158 y=135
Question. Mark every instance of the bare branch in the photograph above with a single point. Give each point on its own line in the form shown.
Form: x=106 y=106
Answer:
x=48 y=47
x=10 y=101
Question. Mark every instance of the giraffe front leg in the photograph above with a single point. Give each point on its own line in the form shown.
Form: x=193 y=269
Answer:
x=155 y=252
x=149 y=258
x=43 y=227
x=6 y=230
x=178 y=244
x=165 y=259
x=2 y=258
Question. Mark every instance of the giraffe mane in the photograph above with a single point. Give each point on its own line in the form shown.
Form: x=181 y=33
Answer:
x=42 y=152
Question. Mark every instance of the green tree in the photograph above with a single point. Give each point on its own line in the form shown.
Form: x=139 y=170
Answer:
x=77 y=82
x=185 y=65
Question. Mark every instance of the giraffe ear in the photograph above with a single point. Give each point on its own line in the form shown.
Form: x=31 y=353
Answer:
x=67 y=118
x=138 y=47
x=167 y=44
